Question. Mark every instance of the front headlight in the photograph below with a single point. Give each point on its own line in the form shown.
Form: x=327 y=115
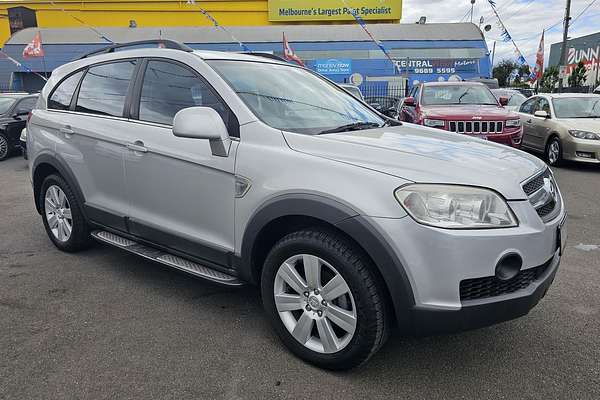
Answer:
x=434 y=123
x=455 y=207
x=513 y=123
x=584 y=135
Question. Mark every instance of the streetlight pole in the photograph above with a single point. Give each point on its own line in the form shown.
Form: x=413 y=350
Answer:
x=564 y=53
x=472 y=9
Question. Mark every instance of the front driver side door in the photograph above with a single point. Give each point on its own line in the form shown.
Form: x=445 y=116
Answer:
x=181 y=195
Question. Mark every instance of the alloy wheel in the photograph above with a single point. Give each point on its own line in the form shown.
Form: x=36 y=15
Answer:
x=315 y=303
x=58 y=213
x=553 y=152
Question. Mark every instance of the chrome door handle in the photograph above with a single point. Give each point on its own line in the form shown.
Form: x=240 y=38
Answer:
x=67 y=130
x=138 y=147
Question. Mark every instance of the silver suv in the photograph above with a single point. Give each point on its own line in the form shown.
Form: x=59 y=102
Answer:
x=246 y=170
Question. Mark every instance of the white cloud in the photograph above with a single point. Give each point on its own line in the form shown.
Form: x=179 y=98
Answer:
x=524 y=19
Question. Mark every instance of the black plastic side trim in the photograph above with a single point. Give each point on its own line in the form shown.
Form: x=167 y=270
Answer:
x=104 y=217
x=178 y=243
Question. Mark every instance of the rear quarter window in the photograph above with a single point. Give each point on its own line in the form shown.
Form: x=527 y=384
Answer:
x=60 y=99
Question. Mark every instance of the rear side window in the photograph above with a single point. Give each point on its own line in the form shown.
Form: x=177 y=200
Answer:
x=168 y=88
x=104 y=88
x=62 y=95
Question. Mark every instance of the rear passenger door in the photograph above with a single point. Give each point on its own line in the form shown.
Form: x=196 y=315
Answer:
x=526 y=111
x=92 y=140
x=181 y=195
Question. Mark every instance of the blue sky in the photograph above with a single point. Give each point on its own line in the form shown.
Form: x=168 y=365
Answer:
x=525 y=20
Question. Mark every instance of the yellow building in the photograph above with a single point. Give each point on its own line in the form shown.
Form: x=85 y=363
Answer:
x=17 y=15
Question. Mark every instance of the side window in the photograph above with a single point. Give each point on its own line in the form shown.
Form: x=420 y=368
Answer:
x=26 y=105
x=543 y=105
x=104 y=88
x=529 y=106
x=61 y=97
x=168 y=88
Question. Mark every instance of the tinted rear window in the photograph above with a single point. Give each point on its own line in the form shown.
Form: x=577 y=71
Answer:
x=61 y=98
x=104 y=88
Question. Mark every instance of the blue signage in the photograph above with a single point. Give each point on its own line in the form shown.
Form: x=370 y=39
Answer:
x=334 y=66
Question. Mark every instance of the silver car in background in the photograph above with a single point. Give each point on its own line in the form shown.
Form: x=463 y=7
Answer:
x=515 y=98
x=214 y=164
x=563 y=127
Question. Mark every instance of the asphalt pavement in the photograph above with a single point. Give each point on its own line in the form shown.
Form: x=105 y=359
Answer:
x=104 y=324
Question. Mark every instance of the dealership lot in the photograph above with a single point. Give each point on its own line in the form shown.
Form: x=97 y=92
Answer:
x=106 y=324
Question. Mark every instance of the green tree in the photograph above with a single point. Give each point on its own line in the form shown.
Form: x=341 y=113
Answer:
x=549 y=79
x=503 y=70
x=578 y=75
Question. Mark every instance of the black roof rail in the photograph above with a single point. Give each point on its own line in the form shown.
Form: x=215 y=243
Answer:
x=164 y=43
x=265 y=55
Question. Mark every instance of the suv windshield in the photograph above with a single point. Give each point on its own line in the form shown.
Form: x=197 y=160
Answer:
x=293 y=99
x=457 y=94
x=577 y=107
x=5 y=104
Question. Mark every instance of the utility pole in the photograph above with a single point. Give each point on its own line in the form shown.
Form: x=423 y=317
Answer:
x=564 y=51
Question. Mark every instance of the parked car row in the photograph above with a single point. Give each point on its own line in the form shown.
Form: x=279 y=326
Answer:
x=560 y=126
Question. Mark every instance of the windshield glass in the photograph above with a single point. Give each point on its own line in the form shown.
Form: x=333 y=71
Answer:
x=457 y=94
x=577 y=107
x=293 y=99
x=5 y=104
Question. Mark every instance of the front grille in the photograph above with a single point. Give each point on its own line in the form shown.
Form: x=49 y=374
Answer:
x=490 y=286
x=476 y=127
x=543 y=195
x=535 y=184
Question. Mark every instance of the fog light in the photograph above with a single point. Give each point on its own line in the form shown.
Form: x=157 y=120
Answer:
x=508 y=267
x=584 y=154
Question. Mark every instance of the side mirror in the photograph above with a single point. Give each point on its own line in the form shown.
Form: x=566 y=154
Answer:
x=203 y=123
x=410 y=102
x=503 y=101
x=541 y=114
x=20 y=114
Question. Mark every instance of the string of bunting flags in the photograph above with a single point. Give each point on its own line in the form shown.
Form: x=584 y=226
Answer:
x=506 y=37
x=219 y=26
x=82 y=22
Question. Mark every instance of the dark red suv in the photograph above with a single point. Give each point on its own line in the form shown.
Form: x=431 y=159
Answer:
x=463 y=107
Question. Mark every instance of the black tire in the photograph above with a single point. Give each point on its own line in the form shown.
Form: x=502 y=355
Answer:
x=553 y=160
x=5 y=149
x=372 y=325
x=80 y=238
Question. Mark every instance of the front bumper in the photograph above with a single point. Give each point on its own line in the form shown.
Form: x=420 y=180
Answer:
x=436 y=261
x=580 y=150
x=481 y=313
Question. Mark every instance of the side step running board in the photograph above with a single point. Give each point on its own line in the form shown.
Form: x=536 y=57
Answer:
x=162 y=257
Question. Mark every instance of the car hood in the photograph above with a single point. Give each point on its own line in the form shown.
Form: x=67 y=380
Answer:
x=583 y=124
x=467 y=112
x=425 y=155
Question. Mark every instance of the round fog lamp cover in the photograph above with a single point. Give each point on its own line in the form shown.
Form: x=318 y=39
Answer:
x=508 y=267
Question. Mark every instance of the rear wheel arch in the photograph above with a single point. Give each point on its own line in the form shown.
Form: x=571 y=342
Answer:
x=46 y=165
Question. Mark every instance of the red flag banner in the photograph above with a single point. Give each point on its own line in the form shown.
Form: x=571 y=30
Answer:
x=538 y=71
x=34 y=48
x=288 y=52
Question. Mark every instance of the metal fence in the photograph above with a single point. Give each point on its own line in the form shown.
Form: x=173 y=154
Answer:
x=383 y=89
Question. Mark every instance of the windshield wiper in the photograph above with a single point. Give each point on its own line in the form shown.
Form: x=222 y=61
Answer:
x=355 y=126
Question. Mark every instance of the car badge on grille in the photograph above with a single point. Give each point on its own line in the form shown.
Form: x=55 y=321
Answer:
x=550 y=188
x=477 y=118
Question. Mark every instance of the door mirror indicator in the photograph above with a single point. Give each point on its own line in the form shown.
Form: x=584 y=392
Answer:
x=542 y=114
x=203 y=123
